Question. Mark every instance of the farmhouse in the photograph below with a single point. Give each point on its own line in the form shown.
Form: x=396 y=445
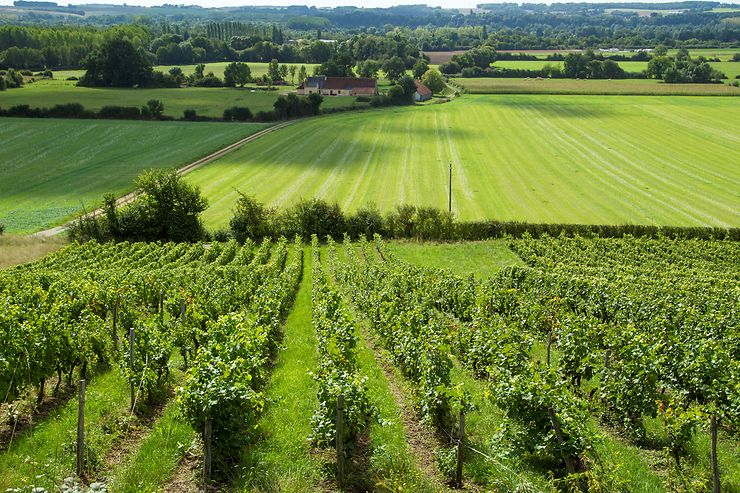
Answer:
x=423 y=93
x=339 y=86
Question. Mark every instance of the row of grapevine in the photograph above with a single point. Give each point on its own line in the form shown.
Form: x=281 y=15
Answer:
x=337 y=373
x=406 y=324
x=643 y=328
x=224 y=387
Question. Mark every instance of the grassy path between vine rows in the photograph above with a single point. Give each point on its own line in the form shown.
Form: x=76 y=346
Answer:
x=401 y=449
x=149 y=457
x=282 y=459
x=45 y=454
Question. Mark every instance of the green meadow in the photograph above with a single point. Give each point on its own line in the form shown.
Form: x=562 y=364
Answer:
x=206 y=101
x=730 y=69
x=51 y=169
x=623 y=87
x=598 y=159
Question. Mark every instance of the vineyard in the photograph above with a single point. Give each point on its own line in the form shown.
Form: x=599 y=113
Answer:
x=600 y=365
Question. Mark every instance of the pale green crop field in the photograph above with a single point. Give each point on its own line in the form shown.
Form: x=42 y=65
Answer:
x=591 y=86
x=596 y=159
x=730 y=69
x=51 y=169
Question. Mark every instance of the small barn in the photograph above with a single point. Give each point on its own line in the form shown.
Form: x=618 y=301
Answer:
x=339 y=86
x=423 y=93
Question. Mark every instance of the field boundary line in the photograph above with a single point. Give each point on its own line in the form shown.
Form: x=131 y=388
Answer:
x=131 y=196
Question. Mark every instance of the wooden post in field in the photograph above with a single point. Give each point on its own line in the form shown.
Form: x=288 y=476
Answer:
x=182 y=310
x=715 y=465
x=207 y=450
x=559 y=435
x=131 y=363
x=549 y=344
x=460 y=450
x=81 y=431
x=340 y=440
x=115 y=323
x=449 y=203
x=607 y=358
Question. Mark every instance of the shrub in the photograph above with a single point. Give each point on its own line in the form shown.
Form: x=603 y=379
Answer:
x=251 y=219
x=265 y=116
x=450 y=68
x=120 y=112
x=238 y=113
x=2 y=228
x=168 y=210
x=366 y=221
x=314 y=216
x=70 y=110
x=207 y=81
x=189 y=115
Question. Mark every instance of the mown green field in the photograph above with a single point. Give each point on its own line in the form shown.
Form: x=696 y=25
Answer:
x=52 y=168
x=258 y=69
x=625 y=87
x=206 y=101
x=730 y=69
x=655 y=160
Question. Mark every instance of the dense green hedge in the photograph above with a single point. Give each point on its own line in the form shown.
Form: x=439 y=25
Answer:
x=308 y=217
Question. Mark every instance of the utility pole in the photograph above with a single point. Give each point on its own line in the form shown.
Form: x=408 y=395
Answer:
x=449 y=203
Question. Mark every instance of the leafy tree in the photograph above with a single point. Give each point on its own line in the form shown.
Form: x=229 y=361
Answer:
x=237 y=74
x=293 y=69
x=657 y=66
x=433 y=80
x=302 y=74
x=154 y=109
x=199 y=69
x=117 y=63
x=450 y=68
x=283 y=72
x=273 y=70
x=368 y=68
x=420 y=68
x=394 y=69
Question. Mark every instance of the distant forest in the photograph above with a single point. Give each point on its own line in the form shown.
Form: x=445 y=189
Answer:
x=46 y=35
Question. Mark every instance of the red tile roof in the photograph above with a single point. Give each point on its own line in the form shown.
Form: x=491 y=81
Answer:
x=348 y=83
x=422 y=89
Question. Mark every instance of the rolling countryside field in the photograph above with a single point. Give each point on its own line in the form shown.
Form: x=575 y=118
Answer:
x=624 y=87
x=52 y=168
x=597 y=159
x=206 y=101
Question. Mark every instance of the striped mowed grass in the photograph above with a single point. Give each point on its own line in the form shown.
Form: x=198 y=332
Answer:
x=577 y=159
x=51 y=169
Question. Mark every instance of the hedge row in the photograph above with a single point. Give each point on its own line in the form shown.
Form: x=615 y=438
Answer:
x=254 y=220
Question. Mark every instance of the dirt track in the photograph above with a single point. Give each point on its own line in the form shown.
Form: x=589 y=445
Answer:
x=130 y=197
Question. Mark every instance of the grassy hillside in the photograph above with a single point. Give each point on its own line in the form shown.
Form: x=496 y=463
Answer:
x=600 y=159
x=51 y=168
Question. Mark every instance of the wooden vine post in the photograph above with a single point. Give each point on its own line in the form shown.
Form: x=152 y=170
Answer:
x=549 y=345
x=715 y=465
x=182 y=321
x=81 y=431
x=115 y=322
x=460 y=450
x=207 y=451
x=131 y=364
x=340 y=440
